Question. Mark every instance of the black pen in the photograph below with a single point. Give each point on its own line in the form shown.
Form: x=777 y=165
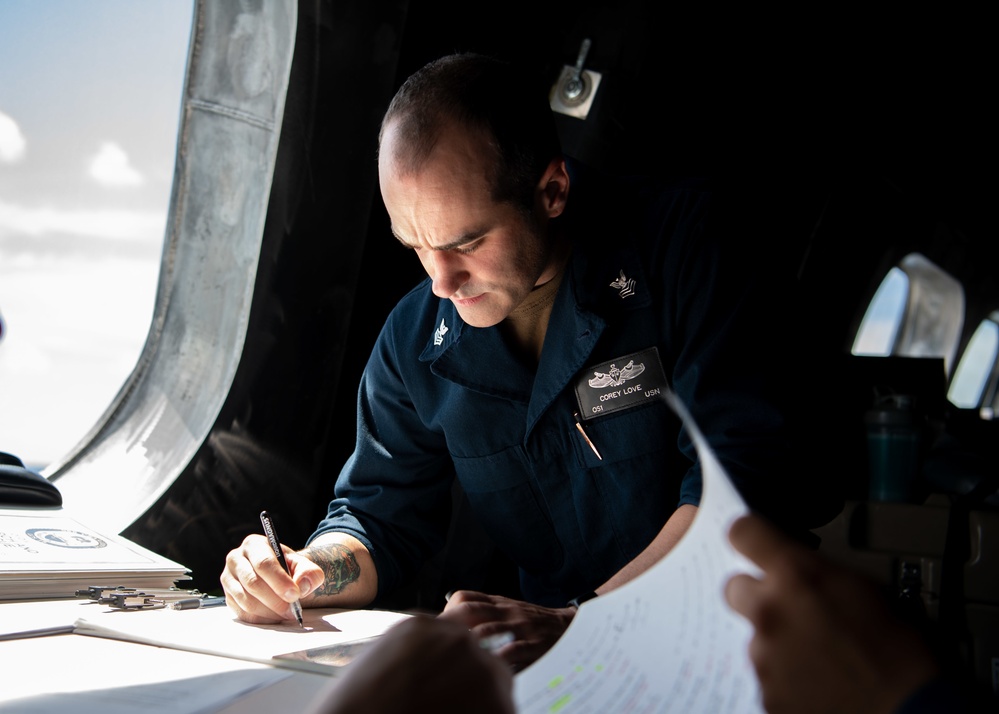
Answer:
x=194 y=603
x=265 y=521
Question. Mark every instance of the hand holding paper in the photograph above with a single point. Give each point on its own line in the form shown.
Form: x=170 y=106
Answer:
x=822 y=633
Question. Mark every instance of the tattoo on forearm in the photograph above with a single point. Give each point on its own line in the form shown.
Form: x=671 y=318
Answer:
x=339 y=565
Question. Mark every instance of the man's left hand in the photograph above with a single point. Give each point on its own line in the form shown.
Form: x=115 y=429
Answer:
x=534 y=628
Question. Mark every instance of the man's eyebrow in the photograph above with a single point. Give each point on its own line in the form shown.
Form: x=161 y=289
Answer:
x=462 y=240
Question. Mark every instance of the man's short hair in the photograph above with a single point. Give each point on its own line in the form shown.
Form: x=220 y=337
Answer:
x=481 y=92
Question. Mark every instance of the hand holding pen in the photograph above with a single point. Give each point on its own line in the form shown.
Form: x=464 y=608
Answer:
x=265 y=521
x=258 y=588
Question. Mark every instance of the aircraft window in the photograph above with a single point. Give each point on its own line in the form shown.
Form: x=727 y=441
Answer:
x=918 y=311
x=88 y=131
x=880 y=324
x=977 y=366
x=231 y=109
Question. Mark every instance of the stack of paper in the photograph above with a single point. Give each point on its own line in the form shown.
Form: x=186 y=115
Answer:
x=44 y=553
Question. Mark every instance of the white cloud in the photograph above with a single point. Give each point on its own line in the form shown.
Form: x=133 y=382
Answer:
x=12 y=142
x=111 y=167
x=100 y=223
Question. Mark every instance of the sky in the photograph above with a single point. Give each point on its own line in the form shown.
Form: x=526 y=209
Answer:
x=90 y=97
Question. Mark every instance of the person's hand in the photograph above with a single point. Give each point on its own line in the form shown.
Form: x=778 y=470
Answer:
x=421 y=664
x=256 y=587
x=534 y=628
x=824 y=640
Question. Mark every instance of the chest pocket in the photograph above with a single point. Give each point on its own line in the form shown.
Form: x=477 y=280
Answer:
x=509 y=505
x=637 y=482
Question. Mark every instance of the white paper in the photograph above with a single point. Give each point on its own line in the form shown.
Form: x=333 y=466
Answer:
x=46 y=553
x=217 y=631
x=87 y=675
x=36 y=617
x=43 y=541
x=666 y=641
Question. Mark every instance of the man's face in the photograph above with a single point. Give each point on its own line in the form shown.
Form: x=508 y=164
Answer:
x=484 y=256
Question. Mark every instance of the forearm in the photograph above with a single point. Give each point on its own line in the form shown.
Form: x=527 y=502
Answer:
x=350 y=576
x=664 y=542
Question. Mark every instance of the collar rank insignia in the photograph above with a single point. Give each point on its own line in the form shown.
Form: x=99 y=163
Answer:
x=439 y=334
x=624 y=285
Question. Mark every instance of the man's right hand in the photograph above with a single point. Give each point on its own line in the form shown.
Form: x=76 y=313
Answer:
x=256 y=587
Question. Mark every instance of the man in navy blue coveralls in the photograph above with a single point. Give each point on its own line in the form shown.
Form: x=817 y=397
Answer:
x=530 y=365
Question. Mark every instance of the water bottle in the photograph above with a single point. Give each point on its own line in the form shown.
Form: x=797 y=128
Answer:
x=893 y=449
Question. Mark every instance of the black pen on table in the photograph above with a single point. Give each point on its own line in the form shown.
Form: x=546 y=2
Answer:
x=265 y=521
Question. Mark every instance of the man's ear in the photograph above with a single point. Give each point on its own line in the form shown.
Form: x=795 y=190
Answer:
x=554 y=188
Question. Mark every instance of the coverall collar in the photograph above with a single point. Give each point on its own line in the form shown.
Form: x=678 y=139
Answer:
x=479 y=359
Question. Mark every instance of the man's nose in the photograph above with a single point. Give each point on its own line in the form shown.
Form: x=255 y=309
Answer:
x=446 y=273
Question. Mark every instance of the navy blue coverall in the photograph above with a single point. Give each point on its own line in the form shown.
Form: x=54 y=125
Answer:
x=649 y=289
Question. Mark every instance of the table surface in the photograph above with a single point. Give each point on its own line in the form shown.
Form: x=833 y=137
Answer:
x=83 y=674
